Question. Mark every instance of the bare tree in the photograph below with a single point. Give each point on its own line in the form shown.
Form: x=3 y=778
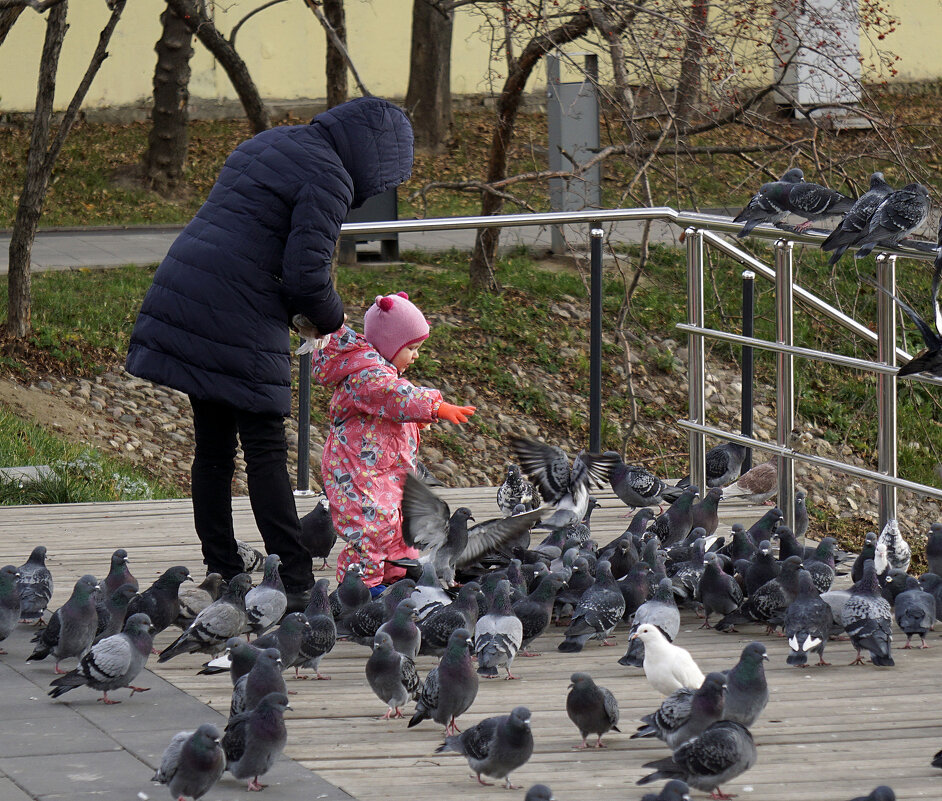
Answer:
x=336 y=65
x=44 y=150
x=428 y=97
x=165 y=158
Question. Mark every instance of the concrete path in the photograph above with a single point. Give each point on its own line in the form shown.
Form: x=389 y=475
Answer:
x=76 y=248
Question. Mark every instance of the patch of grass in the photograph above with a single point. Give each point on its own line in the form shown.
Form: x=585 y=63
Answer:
x=77 y=474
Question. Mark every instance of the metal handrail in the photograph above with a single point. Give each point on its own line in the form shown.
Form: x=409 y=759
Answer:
x=704 y=228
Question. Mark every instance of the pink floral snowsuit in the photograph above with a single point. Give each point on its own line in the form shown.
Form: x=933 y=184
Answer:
x=373 y=440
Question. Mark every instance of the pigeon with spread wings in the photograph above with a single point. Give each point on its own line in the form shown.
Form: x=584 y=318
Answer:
x=429 y=524
x=564 y=487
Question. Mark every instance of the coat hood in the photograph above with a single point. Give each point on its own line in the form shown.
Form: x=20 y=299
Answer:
x=346 y=352
x=373 y=139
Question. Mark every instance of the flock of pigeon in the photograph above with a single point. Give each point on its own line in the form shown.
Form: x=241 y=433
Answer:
x=479 y=596
x=880 y=218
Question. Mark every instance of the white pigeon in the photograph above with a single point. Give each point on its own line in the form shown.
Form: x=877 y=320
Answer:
x=668 y=667
x=898 y=552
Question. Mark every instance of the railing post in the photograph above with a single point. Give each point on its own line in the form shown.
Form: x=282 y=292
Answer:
x=748 y=363
x=595 y=338
x=304 y=425
x=886 y=384
x=696 y=366
x=785 y=377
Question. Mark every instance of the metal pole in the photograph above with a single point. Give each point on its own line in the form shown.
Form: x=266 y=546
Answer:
x=886 y=384
x=304 y=425
x=696 y=366
x=785 y=370
x=595 y=339
x=748 y=363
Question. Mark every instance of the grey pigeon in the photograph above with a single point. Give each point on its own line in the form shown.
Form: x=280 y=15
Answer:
x=898 y=215
x=462 y=613
x=536 y=609
x=675 y=522
x=451 y=687
x=428 y=593
x=722 y=752
x=351 y=593
x=113 y=662
x=801 y=513
x=192 y=763
x=705 y=514
x=321 y=636
x=740 y=545
x=254 y=740
x=856 y=222
x=717 y=591
x=539 y=792
x=405 y=634
x=72 y=627
x=674 y=790
x=118 y=574
x=252 y=558
x=768 y=526
x=815 y=202
x=9 y=602
x=637 y=487
x=898 y=552
x=934 y=548
x=515 y=490
x=161 y=600
x=265 y=677
x=392 y=676
x=237 y=659
x=761 y=568
x=194 y=599
x=592 y=708
x=562 y=486
x=769 y=204
x=114 y=611
x=317 y=531
x=218 y=622
x=867 y=551
x=598 y=612
x=286 y=637
x=266 y=603
x=807 y=624
x=867 y=619
x=881 y=793
x=659 y=611
x=914 y=611
x=496 y=746
x=361 y=624
x=35 y=585
x=498 y=634
x=821 y=564
x=686 y=713
x=428 y=523
x=723 y=465
x=747 y=692
x=930 y=360
x=768 y=603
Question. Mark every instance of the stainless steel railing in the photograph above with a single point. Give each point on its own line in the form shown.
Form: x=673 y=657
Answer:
x=701 y=230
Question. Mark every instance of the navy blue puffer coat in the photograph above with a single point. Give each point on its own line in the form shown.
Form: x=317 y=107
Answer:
x=214 y=323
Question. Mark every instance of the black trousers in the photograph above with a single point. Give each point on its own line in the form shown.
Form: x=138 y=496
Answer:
x=218 y=428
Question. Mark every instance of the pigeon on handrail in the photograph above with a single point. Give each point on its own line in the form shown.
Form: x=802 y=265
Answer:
x=930 y=360
x=769 y=204
x=723 y=465
x=856 y=222
x=815 y=202
x=900 y=213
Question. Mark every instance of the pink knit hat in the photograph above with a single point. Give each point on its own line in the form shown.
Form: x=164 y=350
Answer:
x=392 y=322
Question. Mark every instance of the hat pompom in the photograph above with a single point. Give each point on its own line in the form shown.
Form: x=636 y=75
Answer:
x=384 y=303
x=403 y=295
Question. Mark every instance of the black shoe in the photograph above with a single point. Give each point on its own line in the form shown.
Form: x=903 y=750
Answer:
x=298 y=600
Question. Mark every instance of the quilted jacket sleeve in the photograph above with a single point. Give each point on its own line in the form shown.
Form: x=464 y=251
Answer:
x=395 y=399
x=316 y=218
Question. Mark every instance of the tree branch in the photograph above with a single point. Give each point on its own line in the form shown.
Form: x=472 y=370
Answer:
x=247 y=17
x=338 y=43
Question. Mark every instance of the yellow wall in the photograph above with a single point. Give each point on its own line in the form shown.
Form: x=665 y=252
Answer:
x=284 y=49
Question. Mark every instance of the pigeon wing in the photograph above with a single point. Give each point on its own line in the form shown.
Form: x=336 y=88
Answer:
x=171 y=758
x=491 y=534
x=107 y=660
x=478 y=740
x=424 y=516
x=547 y=465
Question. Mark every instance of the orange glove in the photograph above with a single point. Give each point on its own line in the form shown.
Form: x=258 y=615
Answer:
x=455 y=414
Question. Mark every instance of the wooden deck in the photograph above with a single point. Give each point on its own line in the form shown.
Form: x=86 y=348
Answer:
x=828 y=734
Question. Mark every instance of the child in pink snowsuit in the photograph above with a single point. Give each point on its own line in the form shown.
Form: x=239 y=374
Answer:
x=375 y=417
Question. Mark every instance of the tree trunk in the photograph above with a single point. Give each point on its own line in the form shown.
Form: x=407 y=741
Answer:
x=200 y=24
x=484 y=255
x=7 y=17
x=165 y=159
x=428 y=98
x=336 y=66
x=28 y=210
x=688 y=84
